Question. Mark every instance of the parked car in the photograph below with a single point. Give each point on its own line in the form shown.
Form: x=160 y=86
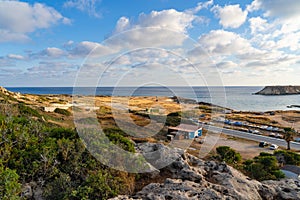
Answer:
x=263 y=144
x=250 y=131
x=238 y=123
x=273 y=147
x=297 y=139
x=279 y=136
x=257 y=132
x=264 y=127
x=227 y=121
x=272 y=135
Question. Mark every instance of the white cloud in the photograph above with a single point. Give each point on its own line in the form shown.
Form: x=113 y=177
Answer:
x=8 y=36
x=224 y=43
x=258 y=24
x=52 y=67
x=231 y=16
x=200 y=6
x=165 y=19
x=50 y=52
x=92 y=49
x=156 y=29
x=19 y=18
x=88 y=6
x=15 y=57
x=227 y=64
x=277 y=8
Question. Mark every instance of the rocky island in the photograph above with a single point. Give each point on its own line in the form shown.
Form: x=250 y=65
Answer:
x=279 y=90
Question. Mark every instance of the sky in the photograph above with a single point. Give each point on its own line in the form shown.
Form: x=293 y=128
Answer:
x=149 y=42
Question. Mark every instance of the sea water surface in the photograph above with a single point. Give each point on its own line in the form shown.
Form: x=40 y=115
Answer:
x=234 y=97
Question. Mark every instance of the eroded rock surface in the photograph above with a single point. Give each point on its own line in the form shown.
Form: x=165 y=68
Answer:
x=193 y=178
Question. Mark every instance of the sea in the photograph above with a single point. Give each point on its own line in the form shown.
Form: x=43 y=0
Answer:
x=235 y=97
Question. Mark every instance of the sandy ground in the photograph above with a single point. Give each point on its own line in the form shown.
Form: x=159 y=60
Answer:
x=288 y=119
x=247 y=148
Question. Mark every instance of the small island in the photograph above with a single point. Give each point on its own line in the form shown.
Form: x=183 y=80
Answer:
x=279 y=90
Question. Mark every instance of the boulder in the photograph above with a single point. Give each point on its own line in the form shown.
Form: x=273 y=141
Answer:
x=193 y=178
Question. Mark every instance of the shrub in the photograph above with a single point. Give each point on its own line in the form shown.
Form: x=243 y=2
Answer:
x=9 y=186
x=62 y=111
x=121 y=141
x=263 y=167
x=27 y=111
x=290 y=158
x=60 y=132
x=228 y=155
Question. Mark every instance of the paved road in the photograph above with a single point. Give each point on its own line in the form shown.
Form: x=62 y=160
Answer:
x=251 y=136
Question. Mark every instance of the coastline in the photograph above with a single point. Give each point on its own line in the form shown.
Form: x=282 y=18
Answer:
x=234 y=97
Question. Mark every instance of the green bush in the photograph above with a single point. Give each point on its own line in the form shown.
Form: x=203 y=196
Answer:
x=290 y=158
x=263 y=167
x=62 y=111
x=60 y=132
x=35 y=150
x=121 y=141
x=10 y=188
x=28 y=111
x=228 y=155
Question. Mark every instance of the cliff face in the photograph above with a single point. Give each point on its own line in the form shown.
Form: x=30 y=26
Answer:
x=193 y=178
x=279 y=90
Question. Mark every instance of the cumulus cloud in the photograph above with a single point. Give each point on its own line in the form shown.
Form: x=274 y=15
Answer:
x=52 y=67
x=224 y=43
x=88 y=6
x=15 y=57
x=8 y=36
x=156 y=29
x=165 y=19
x=200 y=6
x=19 y=18
x=277 y=8
x=88 y=48
x=231 y=16
x=49 y=52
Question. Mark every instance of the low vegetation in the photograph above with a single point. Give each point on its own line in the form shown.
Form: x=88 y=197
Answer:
x=54 y=160
x=228 y=155
x=288 y=157
x=62 y=111
x=265 y=166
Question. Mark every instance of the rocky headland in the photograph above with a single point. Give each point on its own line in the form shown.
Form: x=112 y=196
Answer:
x=192 y=178
x=279 y=90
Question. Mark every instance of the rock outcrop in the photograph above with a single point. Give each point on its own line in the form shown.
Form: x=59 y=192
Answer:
x=279 y=90
x=193 y=178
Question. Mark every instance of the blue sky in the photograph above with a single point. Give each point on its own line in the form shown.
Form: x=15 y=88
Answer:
x=149 y=42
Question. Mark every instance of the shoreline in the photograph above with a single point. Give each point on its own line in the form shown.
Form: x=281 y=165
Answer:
x=236 y=98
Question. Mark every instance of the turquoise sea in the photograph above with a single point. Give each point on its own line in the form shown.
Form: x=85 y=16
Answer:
x=235 y=97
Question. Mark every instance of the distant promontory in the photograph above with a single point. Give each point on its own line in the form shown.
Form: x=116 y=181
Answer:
x=279 y=90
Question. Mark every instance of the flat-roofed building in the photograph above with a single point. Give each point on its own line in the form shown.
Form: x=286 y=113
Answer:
x=185 y=131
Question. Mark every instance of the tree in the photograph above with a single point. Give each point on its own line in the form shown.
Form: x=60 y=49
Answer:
x=263 y=167
x=289 y=136
x=228 y=155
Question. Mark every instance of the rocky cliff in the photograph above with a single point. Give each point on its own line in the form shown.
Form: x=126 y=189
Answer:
x=193 y=178
x=279 y=90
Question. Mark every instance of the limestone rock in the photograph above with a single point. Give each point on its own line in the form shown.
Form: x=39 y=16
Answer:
x=193 y=178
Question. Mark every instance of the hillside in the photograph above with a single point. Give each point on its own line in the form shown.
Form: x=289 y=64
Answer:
x=42 y=157
x=279 y=90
